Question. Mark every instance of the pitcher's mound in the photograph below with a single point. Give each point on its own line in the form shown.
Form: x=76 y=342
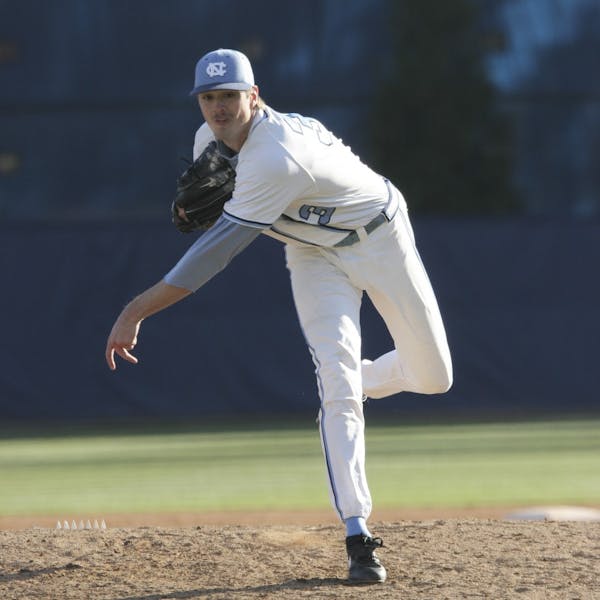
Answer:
x=425 y=560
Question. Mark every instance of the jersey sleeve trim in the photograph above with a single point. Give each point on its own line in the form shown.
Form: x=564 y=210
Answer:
x=255 y=224
x=288 y=236
x=328 y=227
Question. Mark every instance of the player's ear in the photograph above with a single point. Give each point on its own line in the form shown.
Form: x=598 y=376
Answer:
x=253 y=93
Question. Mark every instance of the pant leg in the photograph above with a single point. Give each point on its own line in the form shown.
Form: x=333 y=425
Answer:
x=388 y=266
x=328 y=307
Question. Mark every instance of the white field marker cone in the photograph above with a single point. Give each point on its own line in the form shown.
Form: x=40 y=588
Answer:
x=58 y=525
x=73 y=525
x=66 y=525
x=103 y=525
x=96 y=526
x=88 y=525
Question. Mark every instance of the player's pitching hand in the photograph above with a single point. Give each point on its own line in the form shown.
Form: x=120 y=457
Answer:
x=122 y=339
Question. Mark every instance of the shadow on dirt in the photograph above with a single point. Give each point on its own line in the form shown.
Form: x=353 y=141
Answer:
x=30 y=573
x=292 y=584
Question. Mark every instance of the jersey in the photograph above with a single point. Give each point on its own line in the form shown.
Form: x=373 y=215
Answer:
x=298 y=182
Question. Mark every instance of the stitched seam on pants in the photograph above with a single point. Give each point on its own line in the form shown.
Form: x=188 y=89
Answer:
x=324 y=437
x=328 y=463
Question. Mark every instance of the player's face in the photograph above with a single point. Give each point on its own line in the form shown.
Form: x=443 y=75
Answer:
x=229 y=114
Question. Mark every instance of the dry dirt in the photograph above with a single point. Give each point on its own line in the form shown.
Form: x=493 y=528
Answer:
x=433 y=559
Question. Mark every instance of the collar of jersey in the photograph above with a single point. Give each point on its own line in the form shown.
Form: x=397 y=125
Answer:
x=259 y=117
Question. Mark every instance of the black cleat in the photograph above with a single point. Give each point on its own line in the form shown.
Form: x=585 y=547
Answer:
x=364 y=566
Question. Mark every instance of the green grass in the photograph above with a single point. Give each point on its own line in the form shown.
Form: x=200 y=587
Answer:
x=208 y=468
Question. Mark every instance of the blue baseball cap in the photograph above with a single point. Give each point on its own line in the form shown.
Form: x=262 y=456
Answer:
x=223 y=70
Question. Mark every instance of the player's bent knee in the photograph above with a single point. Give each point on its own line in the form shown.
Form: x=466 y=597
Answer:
x=440 y=388
x=435 y=379
x=440 y=385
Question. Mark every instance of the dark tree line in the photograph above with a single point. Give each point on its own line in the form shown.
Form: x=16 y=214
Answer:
x=559 y=123
x=437 y=131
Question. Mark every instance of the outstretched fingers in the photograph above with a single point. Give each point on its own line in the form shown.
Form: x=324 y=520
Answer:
x=123 y=352
x=121 y=341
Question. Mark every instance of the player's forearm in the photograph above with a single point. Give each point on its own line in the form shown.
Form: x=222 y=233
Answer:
x=153 y=300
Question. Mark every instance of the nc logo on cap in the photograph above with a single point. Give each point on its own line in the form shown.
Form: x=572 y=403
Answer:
x=216 y=69
x=221 y=69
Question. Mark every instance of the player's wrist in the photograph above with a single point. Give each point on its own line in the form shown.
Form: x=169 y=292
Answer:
x=133 y=313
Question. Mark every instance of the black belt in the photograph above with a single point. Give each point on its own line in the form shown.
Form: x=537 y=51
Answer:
x=371 y=226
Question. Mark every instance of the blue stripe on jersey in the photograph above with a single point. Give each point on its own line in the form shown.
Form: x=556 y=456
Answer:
x=291 y=237
x=330 y=227
x=235 y=219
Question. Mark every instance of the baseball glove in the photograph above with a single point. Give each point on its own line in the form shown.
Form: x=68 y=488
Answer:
x=202 y=190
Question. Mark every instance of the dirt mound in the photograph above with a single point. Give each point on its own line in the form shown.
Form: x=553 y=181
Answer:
x=425 y=559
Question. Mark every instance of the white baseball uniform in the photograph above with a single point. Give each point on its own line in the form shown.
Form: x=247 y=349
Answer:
x=347 y=232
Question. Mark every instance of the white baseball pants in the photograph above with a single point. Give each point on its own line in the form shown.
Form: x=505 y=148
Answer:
x=327 y=285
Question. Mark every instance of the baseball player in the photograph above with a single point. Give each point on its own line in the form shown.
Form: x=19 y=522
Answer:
x=346 y=232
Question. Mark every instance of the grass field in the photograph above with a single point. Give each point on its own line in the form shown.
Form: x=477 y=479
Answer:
x=278 y=466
